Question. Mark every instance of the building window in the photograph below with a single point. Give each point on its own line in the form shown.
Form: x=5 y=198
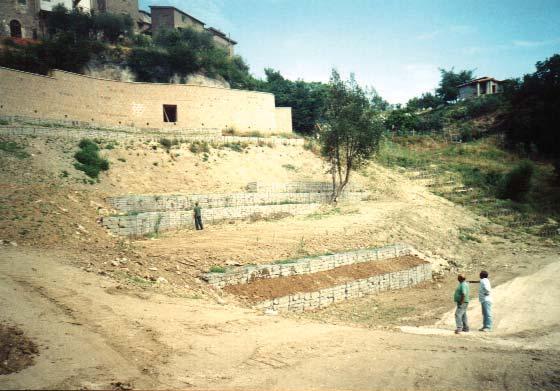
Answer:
x=15 y=29
x=22 y=2
x=169 y=113
x=184 y=18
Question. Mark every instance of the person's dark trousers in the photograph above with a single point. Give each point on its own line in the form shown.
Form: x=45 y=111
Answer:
x=198 y=222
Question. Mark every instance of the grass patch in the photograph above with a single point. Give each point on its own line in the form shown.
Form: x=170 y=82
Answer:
x=197 y=147
x=89 y=160
x=236 y=146
x=289 y=167
x=217 y=269
x=14 y=149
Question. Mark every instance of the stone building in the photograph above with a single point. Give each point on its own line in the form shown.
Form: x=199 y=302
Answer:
x=167 y=17
x=27 y=18
x=222 y=40
x=481 y=86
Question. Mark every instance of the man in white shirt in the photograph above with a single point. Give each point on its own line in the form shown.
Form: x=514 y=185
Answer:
x=485 y=298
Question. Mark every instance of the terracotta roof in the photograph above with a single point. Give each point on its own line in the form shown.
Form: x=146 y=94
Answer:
x=479 y=80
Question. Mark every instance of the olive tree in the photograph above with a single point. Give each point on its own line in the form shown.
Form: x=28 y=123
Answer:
x=350 y=132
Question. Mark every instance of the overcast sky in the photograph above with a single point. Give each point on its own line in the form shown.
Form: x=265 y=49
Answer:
x=394 y=46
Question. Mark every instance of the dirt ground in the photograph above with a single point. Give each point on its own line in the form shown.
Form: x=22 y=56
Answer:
x=109 y=312
x=93 y=334
x=266 y=289
x=16 y=350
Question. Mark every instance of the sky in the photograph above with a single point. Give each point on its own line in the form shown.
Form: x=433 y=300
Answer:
x=396 y=47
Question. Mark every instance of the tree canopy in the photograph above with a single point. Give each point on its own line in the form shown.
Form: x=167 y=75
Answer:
x=448 y=90
x=532 y=117
x=350 y=132
x=307 y=99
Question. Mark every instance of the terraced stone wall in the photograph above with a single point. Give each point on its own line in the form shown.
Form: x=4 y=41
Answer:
x=246 y=274
x=152 y=203
x=153 y=222
x=120 y=134
x=359 y=288
x=297 y=187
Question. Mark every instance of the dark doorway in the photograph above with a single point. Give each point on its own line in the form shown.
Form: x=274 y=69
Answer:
x=15 y=29
x=169 y=113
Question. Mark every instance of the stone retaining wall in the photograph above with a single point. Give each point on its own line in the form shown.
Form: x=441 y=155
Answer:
x=208 y=135
x=320 y=299
x=245 y=274
x=154 y=222
x=152 y=203
x=297 y=187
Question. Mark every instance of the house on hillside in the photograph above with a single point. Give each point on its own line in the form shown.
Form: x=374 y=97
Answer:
x=168 y=17
x=481 y=86
x=28 y=18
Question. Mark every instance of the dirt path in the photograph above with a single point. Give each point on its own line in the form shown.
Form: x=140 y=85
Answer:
x=90 y=334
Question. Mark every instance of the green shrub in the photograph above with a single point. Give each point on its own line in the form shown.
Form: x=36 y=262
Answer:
x=217 y=269
x=482 y=105
x=517 y=183
x=199 y=146
x=89 y=160
x=13 y=148
x=166 y=143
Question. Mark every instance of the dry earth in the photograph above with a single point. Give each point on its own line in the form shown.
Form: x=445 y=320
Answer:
x=88 y=300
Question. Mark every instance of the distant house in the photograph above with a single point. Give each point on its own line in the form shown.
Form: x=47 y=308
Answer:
x=144 y=22
x=168 y=17
x=28 y=18
x=222 y=40
x=481 y=86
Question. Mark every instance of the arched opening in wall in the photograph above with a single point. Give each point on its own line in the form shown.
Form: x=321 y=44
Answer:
x=15 y=29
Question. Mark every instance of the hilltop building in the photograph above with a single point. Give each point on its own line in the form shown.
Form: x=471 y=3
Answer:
x=481 y=86
x=27 y=18
x=167 y=17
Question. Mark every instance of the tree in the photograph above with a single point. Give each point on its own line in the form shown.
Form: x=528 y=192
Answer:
x=112 y=25
x=448 y=89
x=425 y=101
x=401 y=120
x=307 y=99
x=350 y=132
x=532 y=118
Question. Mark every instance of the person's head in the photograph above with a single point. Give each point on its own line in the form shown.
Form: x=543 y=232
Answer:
x=196 y=203
x=484 y=274
x=461 y=278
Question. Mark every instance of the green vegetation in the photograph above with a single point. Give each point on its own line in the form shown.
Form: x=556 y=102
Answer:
x=89 y=160
x=517 y=183
x=13 y=148
x=217 y=269
x=197 y=147
x=482 y=165
x=530 y=121
x=350 y=133
x=448 y=90
x=236 y=146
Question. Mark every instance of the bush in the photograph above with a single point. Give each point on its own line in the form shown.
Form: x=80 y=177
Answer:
x=482 y=105
x=429 y=122
x=517 y=183
x=89 y=160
